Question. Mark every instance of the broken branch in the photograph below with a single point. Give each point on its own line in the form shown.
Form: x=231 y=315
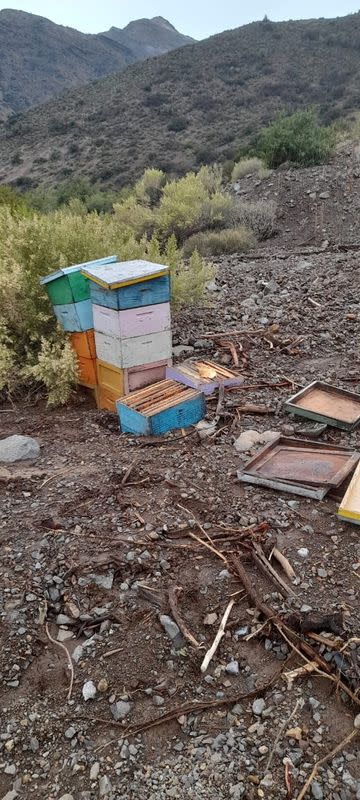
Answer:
x=174 y=592
x=221 y=632
x=62 y=646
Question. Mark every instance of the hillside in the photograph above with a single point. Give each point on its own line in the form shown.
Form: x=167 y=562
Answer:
x=39 y=59
x=193 y=105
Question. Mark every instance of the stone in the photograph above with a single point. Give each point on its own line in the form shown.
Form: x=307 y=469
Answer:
x=246 y=441
x=94 y=772
x=158 y=700
x=210 y=619
x=102 y=685
x=182 y=350
x=89 y=690
x=316 y=791
x=67 y=797
x=303 y=552
x=232 y=668
x=172 y=630
x=120 y=710
x=63 y=635
x=357 y=721
x=18 y=448
x=324 y=195
x=70 y=732
x=322 y=573
x=11 y=795
x=258 y=706
x=105 y=786
x=78 y=653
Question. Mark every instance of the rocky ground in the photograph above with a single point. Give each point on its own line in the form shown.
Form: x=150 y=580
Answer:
x=88 y=559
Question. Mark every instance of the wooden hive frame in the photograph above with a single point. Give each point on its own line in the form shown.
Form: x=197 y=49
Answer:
x=158 y=397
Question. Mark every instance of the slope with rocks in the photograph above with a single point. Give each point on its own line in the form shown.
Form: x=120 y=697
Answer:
x=192 y=106
x=40 y=59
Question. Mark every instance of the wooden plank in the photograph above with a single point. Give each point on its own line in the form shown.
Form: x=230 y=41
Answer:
x=349 y=508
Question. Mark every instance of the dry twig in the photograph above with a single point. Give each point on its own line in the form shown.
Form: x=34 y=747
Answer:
x=62 y=646
x=221 y=632
x=174 y=591
x=355 y=732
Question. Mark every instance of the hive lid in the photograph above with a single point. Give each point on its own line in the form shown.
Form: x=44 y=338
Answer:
x=124 y=273
x=59 y=273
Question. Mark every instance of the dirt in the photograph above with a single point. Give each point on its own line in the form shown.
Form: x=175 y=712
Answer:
x=76 y=518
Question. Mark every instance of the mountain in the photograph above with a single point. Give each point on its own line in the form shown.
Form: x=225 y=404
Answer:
x=149 y=37
x=39 y=59
x=193 y=105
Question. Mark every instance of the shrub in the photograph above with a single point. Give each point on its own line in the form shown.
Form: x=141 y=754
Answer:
x=177 y=124
x=216 y=243
x=34 y=244
x=297 y=138
x=149 y=188
x=56 y=368
x=248 y=166
x=259 y=216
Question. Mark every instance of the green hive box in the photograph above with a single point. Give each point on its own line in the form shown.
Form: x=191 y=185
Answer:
x=68 y=285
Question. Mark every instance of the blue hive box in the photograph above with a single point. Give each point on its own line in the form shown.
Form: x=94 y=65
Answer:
x=159 y=408
x=75 y=317
x=128 y=284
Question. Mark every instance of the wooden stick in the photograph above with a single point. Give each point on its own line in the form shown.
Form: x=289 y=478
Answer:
x=231 y=333
x=230 y=346
x=221 y=632
x=129 y=471
x=280 y=733
x=205 y=544
x=62 y=646
x=355 y=732
x=283 y=561
x=174 y=591
x=262 y=562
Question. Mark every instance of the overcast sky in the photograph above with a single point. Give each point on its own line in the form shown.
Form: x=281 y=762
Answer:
x=198 y=18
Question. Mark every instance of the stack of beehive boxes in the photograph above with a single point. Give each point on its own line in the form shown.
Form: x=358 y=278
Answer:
x=132 y=325
x=69 y=293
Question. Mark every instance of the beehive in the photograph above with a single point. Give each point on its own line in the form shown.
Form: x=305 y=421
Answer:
x=159 y=408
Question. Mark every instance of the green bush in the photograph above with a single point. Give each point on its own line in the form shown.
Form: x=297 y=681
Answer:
x=259 y=216
x=217 y=243
x=298 y=139
x=34 y=244
x=248 y=166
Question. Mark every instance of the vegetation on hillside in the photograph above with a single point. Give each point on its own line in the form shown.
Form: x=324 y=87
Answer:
x=298 y=139
x=34 y=244
x=197 y=105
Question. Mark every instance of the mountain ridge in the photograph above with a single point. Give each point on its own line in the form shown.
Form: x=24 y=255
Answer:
x=39 y=58
x=194 y=105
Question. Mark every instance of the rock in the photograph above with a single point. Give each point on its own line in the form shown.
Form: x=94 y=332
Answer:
x=357 y=721
x=120 y=710
x=102 y=685
x=182 y=349
x=11 y=795
x=232 y=668
x=67 y=797
x=78 y=653
x=210 y=619
x=63 y=635
x=316 y=791
x=322 y=573
x=105 y=786
x=303 y=552
x=89 y=690
x=104 y=581
x=201 y=344
x=246 y=441
x=158 y=700
x=172 y=630
x=10 y=769
x=34 y=744
x=324 y=195
x=258 y=706
x=212 y=286
x=250 y=438
x=70 y=732
x=18 y=448
x=94 y=772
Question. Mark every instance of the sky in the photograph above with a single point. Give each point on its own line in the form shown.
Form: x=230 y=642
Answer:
x=197 y=18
